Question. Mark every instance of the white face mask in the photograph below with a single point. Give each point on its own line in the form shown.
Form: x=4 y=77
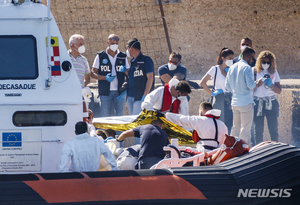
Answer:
x=171 y=66
x=128 y=54
x=229 y=63
x=243 y=47
x=114 y=47
x=265 y=66
x=81 y=49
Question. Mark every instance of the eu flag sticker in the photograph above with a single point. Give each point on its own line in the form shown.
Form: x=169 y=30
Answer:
x=12 y=139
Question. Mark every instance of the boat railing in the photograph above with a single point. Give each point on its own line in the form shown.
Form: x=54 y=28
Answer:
x=176 y=161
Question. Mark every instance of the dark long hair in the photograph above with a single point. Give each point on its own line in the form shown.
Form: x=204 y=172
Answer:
x=224 y=53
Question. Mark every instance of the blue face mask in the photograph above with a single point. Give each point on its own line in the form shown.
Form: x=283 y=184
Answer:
x=226 y=69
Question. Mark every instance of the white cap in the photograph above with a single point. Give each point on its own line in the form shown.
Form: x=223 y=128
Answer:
x=214 y=112
x=173 y=82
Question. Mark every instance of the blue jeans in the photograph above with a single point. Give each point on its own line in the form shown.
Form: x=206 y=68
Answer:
x=223 y=103
x=272 y=121
x=134 y=107
x=110 y=106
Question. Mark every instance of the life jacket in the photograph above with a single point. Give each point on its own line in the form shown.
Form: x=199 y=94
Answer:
x=196 y=137
x=231 y=147
x=167 y=102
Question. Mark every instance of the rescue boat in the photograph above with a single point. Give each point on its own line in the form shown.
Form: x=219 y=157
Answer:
x=269 y=174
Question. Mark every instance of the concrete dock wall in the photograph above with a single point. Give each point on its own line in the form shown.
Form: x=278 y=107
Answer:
x=198 y=29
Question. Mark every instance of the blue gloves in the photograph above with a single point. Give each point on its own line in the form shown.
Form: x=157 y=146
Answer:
x=122 y=96
x=217 y=92
x=109 y=78
x=122 y=69
x=143 y=98
x=268 y=82
x=226 y=69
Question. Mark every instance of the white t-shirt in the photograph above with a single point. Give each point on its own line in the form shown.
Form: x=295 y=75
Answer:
x=114 y=83
x=262 y=91
x=220 y=78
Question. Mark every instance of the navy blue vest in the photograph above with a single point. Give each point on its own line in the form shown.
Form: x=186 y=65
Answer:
x=140 y=78
x=105 y=68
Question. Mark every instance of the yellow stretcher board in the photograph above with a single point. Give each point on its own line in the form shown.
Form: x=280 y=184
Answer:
x=146 y=117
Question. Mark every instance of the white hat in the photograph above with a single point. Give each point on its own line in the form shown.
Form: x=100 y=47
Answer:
x=214 y=112
x=173 y=82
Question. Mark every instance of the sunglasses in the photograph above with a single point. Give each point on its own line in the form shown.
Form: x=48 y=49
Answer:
x=114 y=39
x=266 y=62
x=90 y=116
x=174 y=63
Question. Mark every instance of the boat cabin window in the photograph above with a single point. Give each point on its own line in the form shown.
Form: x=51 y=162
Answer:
x=40 y=118
x=18 y=57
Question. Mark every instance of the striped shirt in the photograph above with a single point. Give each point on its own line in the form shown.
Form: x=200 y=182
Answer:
x=81 y=66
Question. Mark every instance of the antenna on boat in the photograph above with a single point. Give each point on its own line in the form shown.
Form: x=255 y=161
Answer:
x=48 y=82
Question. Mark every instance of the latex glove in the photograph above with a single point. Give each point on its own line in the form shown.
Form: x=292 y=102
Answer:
x=143 y=98
x=122 y=69
x=268 y=82
x=109 y=78
x=217 y=92
x=122 y=96
x=226 y=69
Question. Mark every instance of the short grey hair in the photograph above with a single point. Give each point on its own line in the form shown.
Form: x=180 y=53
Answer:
x=73 y=39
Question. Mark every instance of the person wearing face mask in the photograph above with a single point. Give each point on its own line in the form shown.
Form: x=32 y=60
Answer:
x=80 y=63
x=244 y=43
x=221 y=98
x=141 y=77
x=239 y=81
x=169 y=98
x=266 y=103
x=210 y=131
x=111 y=69
x=174 y=66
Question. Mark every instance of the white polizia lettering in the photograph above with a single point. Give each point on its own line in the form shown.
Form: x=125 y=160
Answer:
x=104 y=68
x=138 y=73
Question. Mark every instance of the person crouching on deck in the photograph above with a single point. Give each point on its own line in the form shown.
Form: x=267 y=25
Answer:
x=210 y=131
x=169 y=98
x=84 y=152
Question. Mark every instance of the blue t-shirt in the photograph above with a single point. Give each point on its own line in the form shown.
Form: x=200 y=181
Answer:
x=153 y=139
x=149 y=68
x=164 y=69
